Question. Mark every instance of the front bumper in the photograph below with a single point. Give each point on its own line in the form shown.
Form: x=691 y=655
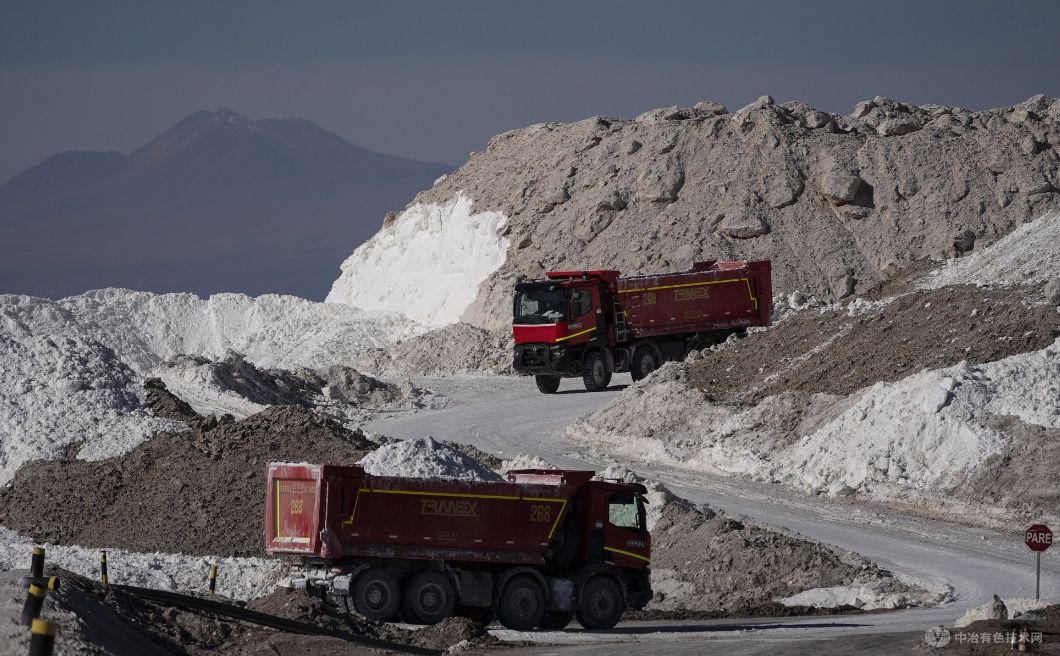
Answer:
x=552 y=359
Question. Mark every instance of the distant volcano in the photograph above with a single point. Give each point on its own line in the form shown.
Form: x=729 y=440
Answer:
x=218 y=202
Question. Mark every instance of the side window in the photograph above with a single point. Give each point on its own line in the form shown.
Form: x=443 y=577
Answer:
x=579 y=302
x=622 y=511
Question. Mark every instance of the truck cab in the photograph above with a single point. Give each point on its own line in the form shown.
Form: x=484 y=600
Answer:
x=556 y=322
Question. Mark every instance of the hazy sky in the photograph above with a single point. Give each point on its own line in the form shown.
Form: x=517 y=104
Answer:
x=433 y=80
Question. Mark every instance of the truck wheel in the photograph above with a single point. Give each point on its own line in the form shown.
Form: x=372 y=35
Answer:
x=547 y=384
x=429 y=598
x=644 y=362
x=556 y=621
x=594 y=372
x=600 y=604
x=522 y=604
x=375 y=594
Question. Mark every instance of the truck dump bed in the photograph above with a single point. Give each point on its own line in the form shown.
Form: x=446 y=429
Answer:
x=713 y=296
x=331 y=511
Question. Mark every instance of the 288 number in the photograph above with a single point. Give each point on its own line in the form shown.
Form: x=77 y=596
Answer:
x=540 y=513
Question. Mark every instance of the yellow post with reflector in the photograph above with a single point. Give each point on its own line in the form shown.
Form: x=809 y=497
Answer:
x=42 y=641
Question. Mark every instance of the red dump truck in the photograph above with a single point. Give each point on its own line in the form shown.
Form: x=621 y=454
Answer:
x=590 y=324
x=535 y=551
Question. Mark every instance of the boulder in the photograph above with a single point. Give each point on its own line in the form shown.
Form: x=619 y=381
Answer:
x=840 y=489
x=761 y=103
x=840 y=189
x=844 y=286
x=597 y=223
x=1030 y=145
x=746 y=226
x=555 y=197
x=609 y=200
x=784 y=192
x=1051 y=293
x=855 y=212
x=862 y=108
x=964 y=242
x=656 y=116
x=710 y=107
x=816 y=119
x=894 y=127
x=659 y=183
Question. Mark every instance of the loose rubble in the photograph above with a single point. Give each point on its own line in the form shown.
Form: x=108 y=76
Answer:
x=425 y=458
x=235 y=386
x=450 y=351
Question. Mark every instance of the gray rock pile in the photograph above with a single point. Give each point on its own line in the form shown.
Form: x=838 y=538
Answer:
x=336 y=385
x=456 y=349
x=839 y=203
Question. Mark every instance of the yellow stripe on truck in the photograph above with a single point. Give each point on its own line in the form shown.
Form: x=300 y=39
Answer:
x=750 y=292
x=628 y=553
x=588 y=330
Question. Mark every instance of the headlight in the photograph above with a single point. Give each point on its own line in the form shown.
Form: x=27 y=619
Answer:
x=558 y=352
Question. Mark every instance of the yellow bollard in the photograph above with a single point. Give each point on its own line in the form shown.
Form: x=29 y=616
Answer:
x=103 y=569
x=34 y=602
x=213 y=578
x=36 y=566
x=47 y=582
x=42 y=641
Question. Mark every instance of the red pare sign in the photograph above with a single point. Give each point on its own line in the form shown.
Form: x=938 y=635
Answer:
x=1039 y=537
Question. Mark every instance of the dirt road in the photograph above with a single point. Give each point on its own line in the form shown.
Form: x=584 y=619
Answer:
x=508 y=416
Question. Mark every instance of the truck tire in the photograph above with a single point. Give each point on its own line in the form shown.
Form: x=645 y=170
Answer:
x=429 y=597
x=375 y=594
x=595 y=373
x=645 y=361
x=547 y=384
x=522 y=604
x=600 y=603
x=557 y=620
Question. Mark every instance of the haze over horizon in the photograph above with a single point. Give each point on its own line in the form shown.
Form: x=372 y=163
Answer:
x=77 y=76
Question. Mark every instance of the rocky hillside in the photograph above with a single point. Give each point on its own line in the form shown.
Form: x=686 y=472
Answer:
x=839 y=203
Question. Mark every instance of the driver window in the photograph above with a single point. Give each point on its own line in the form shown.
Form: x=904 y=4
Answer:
x=579 y=302
x=622 y=511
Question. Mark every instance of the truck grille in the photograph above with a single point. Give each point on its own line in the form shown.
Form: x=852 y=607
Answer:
x=534 y=356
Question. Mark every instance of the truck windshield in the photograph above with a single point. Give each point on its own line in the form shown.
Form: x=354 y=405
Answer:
x=540 y=304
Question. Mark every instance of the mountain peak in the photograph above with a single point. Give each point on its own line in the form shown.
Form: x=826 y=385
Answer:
x=228 y=115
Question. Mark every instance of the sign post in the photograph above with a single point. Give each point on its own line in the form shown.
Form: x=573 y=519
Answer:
x=1039 y=538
